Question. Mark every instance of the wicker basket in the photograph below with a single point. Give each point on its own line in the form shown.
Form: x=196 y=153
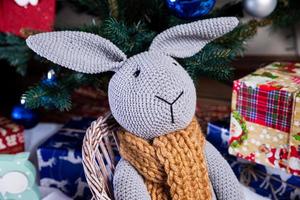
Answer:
x=99 y=151
x=99 y=157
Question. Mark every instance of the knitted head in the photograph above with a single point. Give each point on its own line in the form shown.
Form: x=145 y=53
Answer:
x=150 y=93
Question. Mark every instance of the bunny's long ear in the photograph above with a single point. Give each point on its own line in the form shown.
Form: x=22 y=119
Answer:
x=79 y=51
x=187 y=39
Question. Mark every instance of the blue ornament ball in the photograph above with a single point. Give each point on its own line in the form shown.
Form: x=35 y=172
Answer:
x=190 y=9
x=51 y=79
x=24 y=116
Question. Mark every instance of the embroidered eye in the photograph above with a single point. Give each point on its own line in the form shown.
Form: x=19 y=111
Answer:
x=136 y=73
x=175 y=63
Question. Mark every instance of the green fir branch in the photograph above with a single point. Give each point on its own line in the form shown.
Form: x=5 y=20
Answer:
x=150 y=11
x=213 y=61
x=130 y=39
x=58 y=94
x=131 y=25
x=98 y=8
x=14 y=50
x=286 y=14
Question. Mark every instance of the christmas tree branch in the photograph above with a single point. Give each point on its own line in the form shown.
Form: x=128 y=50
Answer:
x=131 y=25
x=56 y=94
x=286 y=14
x=14 y=50
x=98 y=8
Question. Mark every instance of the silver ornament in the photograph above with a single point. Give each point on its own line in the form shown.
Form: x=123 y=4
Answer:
x=259 y=8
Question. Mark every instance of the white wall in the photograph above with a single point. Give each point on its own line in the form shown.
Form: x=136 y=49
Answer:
x=270 y=42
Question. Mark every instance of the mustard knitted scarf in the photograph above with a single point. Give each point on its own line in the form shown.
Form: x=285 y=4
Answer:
x=173 y=166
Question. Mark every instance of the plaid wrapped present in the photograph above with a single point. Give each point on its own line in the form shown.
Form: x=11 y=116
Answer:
x=272 y=108
x=265 y=119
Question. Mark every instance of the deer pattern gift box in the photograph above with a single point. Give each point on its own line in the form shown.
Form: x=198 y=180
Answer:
x=265 y=122
x=60 y=160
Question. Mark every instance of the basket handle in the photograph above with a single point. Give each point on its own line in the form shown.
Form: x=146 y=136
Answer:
x=91 y=158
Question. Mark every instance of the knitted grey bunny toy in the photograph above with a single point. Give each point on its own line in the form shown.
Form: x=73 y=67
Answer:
x=150 y=93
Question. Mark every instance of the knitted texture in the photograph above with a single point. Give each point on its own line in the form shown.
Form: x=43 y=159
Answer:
x=150 y=94
x=185 y=40
x=128 y=184
x=142 y=105
x=82 y=51
x=225 y=183
x=173 y=166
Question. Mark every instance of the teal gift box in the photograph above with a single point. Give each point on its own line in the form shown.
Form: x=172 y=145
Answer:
x=18 y=178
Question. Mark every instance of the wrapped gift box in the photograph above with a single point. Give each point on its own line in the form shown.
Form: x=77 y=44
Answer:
x=16 y=18
x=266 y=181
x=270 y=182
x=60 y=160
x=265 y=119
x=218 y=135
x=11 y=137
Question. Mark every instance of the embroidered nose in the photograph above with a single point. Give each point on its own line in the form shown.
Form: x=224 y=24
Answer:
x=171 y=105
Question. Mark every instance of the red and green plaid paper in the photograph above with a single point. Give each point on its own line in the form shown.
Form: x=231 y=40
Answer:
x=265 y=120
x=268 y=108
